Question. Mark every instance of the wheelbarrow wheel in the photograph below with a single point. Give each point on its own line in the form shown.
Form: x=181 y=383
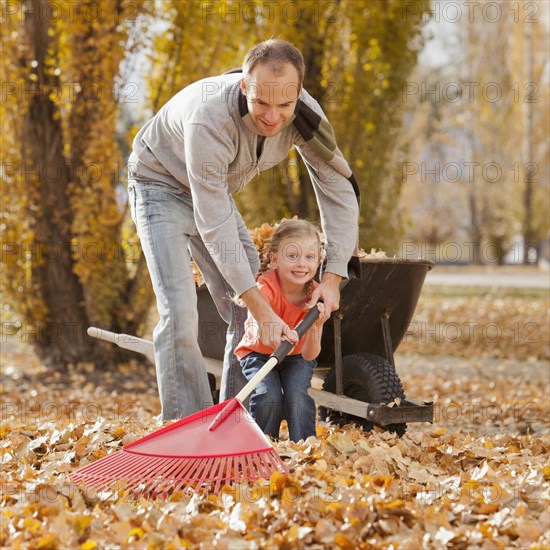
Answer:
x=369 y=378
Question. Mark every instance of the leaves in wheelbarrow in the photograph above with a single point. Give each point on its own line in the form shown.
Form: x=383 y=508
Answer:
x=261 y=237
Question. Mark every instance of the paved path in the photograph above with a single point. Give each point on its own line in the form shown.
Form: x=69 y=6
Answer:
x=513 y=280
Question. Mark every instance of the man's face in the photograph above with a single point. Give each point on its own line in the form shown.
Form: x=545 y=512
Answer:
x=271 y=98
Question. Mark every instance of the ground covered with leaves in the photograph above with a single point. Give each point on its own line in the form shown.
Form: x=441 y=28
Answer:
x=478 y=477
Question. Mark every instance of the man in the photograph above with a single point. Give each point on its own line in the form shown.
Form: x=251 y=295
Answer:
x=204 y=145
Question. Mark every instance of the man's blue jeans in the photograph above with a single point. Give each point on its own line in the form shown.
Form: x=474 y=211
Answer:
x=169 y=238
x=282 y=394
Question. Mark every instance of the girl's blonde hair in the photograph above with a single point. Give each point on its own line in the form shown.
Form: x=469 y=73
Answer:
x=291 y=229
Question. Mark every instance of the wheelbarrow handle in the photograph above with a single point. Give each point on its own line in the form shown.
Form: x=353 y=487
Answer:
x=125 y=341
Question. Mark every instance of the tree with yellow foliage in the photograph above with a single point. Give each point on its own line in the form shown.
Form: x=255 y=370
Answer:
x=67 y=262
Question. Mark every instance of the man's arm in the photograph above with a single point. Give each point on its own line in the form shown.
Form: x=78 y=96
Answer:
x=208 y=156
x=272 y=328
x=336 y=192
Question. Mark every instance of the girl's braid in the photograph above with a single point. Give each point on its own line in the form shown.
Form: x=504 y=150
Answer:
x=264 y=266
x=309 y=292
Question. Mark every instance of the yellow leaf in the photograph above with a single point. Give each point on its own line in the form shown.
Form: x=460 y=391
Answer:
x=488 y=508
x=486 y=530
x=342 y=541
x=32 y=524
x=322 y=431
x=546 y=473
x=395 y=504
x=342 y=443
x=278 y=481
x=135 y=533
x=292 y=533
x=118 y=432
x=48 y=542
x=88 y=545
x=81 y=523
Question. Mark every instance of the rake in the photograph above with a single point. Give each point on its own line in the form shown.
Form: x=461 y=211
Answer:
x=202 y=452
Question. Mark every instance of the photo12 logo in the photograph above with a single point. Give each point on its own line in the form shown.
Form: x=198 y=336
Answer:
x=70 y=11
x=471 y=11
x=270 y=11
x=470 y=92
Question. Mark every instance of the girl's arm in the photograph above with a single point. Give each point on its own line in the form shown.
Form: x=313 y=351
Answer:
x=312 y=339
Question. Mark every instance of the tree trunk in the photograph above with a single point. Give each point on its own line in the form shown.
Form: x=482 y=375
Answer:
x=312 y=50
x=529 y=244
x=62 y=340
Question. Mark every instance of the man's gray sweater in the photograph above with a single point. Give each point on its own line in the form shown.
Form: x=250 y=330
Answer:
x=202 y=142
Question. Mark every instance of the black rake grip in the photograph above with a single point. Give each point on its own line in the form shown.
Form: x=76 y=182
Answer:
x=303 y=326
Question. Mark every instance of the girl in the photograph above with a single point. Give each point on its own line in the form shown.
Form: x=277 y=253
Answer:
x=286 y=281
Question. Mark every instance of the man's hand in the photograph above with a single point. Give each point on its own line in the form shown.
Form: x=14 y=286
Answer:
x=272 y=329
x=327 y=292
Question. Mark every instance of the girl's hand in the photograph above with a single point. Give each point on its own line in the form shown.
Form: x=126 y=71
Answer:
x=289 y=335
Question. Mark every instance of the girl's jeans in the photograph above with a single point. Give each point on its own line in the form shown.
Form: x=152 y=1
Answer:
x=282 y=394
x=169 y=238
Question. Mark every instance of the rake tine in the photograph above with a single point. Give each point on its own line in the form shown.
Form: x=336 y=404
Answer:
x=173 y=474
x=251 y=470
x=207 y=471
x=258 y=465
x=219 y=475
x=273 y=464
x=122 y=467
x=242 y=469
x=166 y=468
x=201 y=472
x=181 y=479
x=100 y=474
x=98 y=466
x=141 y=470
x=229 y=469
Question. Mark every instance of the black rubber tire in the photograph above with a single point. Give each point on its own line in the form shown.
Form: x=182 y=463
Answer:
x=369 y=378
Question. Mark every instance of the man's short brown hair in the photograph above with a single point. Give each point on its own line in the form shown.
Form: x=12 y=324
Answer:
x=276 y=54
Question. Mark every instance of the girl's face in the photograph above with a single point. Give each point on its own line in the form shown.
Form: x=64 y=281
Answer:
x=296 y=260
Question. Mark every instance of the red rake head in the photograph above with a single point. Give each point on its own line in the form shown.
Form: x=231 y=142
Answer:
x=187 y=455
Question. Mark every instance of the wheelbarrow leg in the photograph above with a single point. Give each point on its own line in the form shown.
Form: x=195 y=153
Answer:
x=386 y=333
x=338 y=353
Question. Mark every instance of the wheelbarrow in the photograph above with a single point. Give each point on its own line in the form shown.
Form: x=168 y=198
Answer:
x=355 y=379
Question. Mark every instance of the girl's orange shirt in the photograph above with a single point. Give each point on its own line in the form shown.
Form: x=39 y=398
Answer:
x=269 y=287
